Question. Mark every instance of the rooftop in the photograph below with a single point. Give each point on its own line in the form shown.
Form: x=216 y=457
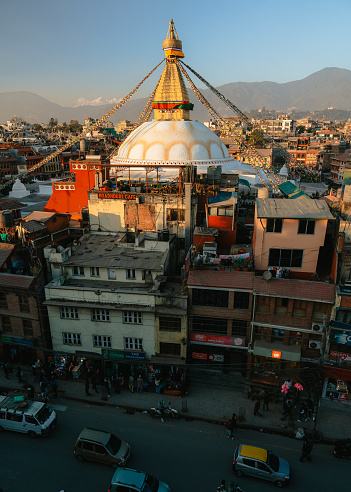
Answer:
x=292 y=209
x=107 y=251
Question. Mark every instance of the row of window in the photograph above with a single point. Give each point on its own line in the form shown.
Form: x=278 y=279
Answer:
x=78 y=271
x=26 y=326
x=102 y=341
x=23 y=302
x=305 y=226
x=130 y=317
x=219 y=298
x=130 y=343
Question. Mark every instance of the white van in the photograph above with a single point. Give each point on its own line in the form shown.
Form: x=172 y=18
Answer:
x=27 y=416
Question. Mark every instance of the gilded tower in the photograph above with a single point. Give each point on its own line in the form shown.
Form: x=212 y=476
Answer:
x=171 y=99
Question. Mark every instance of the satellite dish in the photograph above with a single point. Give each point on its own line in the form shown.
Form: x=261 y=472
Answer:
x=267 y=275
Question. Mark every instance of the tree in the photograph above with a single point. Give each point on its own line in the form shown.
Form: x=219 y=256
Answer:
x=257 y=139
x=300 y=129
x=52 y=122
x=75 y=126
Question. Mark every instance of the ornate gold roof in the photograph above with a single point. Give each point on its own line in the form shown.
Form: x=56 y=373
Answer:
x=171 y=99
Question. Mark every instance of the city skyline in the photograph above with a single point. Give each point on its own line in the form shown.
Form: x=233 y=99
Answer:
x=80 y=53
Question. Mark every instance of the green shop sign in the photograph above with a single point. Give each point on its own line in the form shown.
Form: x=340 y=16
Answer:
x=122 y=355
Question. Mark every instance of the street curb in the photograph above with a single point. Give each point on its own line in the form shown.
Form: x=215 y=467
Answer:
x=132 y=409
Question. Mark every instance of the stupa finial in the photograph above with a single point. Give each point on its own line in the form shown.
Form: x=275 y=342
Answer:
x=172 y=45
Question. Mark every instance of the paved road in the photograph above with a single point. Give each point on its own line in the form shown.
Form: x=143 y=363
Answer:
x=190 y=456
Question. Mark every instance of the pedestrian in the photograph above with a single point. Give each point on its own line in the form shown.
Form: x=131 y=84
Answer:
x=121 y=380
x=265 y=400
x=288 y=406
x=229 y=429
x=116 y=383
x=94 y=381
x=30 y=391
x=140 y=383
x=6 y=371
x=222 y=487
x=107 y=383
x=306 y=450
x=54 y=387
x=87 y=387
x=157 y=384
x=161 y=408
x=257 y=408
x=310 y=408
x=19 y=374
x=234 y=422
x=302 y=414
x=131 y=383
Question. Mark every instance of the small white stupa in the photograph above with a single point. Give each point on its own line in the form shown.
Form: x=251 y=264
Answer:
x=18 y=190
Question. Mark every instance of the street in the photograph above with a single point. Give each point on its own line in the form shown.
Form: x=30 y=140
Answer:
x=190 y=456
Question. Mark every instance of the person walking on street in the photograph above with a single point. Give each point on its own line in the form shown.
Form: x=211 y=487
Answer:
x=116 y=383
x=257 y=408
x=87 y=387
x=54 y=387
x=229 y=429
x=234 y=422
x=94 y=381
x=19 y=374
x=107 y=383
x=288 y=406
x=306 y=450
x=140 y=383
x=265 y=401
x=6 y=371
x=157 y=384
x=222 y=487
x=131 y=383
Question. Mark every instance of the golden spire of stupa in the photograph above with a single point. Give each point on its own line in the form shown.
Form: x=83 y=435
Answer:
x=171 y=99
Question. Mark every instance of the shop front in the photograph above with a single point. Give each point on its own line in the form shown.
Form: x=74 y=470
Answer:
x=19 y=350
x=272 y=363
x=218 y=352
x=337 y=365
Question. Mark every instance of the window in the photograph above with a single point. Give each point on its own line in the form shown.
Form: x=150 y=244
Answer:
x=146 y=273
x=3 y=300
x=23 y=303
x=320 y=309
x=170 y=349
x=27 y=327
x=111 y=274
x=239 y=327
x=71 y=339
x=102 y=341
x=281 y=306
x=248 y=462
x=133 y=343
x=295 y=338
x=277 y=335
x=130 y=273
x=6 y=324
x=31 y=420
x=241 y=300
x=88 y=446
x=263 y=304
x=170 y=324
x=274 y=225
x=204 y=324
x=289 y=258
x=68 y=312
x=260 y=333
x=100 y=315
x=100 y=449
x=300 y=308
x=133 y=317
x=176 y=214
x=94 y=272
x=78 y=271
x=263 y=467
x=306 y=226
x=208 y=297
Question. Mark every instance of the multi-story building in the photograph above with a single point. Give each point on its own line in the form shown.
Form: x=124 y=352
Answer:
x=110 y=301
x=338 y=164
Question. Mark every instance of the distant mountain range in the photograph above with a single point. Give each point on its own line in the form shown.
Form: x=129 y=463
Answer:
x=327 y=88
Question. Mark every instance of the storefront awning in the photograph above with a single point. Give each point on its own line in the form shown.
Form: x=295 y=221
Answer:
x=277 y=350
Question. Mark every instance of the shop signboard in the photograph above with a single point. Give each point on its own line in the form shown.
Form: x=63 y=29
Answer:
x=199 y=355
x=217 y=340
x=18 y=341
x=340 y=356
x=122 y=355
x=216 y=357
x=341 y=337
x=276 y=354
x=342 y=396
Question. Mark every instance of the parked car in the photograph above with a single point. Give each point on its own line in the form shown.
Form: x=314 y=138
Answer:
x=102 y=447
x=258 y=462
x=128 y=480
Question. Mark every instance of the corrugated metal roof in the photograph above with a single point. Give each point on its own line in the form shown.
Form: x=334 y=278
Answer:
x=292 y=191
x=295 y=289
x=15 y=281
x=5 y=252
x=33 y=226
x=292 y=209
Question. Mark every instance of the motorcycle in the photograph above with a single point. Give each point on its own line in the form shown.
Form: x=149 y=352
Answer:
x=343 y=449
x=232 y=487
x=167 y=412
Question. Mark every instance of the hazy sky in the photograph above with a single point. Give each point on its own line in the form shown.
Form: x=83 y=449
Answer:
x=73 y=49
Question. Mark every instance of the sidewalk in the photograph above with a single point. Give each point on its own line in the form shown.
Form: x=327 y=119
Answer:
x=211 y=404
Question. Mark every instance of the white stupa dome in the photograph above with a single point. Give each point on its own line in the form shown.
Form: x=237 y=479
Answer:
x=18 y=190
x=176 y=142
